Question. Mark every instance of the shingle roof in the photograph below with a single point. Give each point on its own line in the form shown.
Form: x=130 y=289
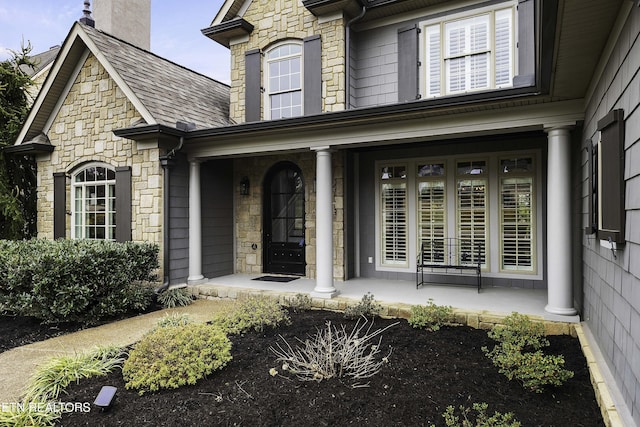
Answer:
x=40 y=61
x=170 y=92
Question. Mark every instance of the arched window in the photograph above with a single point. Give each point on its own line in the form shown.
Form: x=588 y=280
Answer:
x=284 y=81
x=93 y=202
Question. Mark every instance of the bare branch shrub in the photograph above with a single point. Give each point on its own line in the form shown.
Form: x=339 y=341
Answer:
x=334 y=353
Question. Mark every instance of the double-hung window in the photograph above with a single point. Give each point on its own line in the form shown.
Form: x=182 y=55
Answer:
x=284 y=81
x=93 y=192
x=469 y=52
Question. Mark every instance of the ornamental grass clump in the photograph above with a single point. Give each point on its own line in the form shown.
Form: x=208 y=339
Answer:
x=174 y=319
x=172 y=356
x=519 y=355
x=367 y=307
x=430 y=317
x=52 y=378
x=334 y=353
x=27 y=415
x=177 y=297
x=253 y=313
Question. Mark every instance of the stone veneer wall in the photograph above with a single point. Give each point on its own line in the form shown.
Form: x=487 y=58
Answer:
x=248 y=211
x=82 y=133
x=280 y=20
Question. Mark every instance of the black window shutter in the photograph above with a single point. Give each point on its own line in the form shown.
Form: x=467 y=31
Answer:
x=592 y=196
x=59 y=205
x=526 y=44
x=253 y=86
x=611 y=176
x=123 y=204
x=408 y=64
x=312 y=89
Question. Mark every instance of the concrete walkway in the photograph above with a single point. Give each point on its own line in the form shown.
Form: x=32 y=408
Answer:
x=18 y=364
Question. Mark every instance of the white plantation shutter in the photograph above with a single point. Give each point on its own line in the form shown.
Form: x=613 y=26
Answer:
x=471 y=210
x=394 y=223
x=467 y=54
x=434 y=59
x=517 y=214
x=472 y=53
x=504 y=48
x=431 y=213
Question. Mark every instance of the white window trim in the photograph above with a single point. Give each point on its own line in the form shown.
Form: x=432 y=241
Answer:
x=492 y=252
x=266 y=76
x=75 y=185
x=469 y=13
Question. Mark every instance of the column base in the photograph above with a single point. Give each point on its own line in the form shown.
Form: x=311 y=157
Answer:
x=325 y=294
x=561 y=310
x=196 y=280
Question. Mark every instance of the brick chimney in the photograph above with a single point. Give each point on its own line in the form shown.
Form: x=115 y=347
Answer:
x=128 y=20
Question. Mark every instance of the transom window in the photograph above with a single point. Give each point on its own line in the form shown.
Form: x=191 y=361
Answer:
x=284 y=81
x=93 y=192
x=466 y=53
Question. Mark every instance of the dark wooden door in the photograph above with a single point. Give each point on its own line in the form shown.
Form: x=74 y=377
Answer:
x=284 y=242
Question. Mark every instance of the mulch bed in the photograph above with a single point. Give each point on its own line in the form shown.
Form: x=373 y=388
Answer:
x=427 y=372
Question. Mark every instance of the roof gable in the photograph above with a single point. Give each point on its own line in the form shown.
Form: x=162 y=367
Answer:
x=160 y=90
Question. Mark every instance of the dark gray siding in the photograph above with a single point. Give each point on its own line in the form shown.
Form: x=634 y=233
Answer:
x=612 y=284
x=179 y=222
x=217 y=218
x=375 y=67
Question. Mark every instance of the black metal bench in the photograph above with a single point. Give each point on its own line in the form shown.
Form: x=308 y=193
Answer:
x=449 y=253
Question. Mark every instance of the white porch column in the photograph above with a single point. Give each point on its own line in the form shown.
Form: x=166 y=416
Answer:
x=195 y=225
x=324 y=225
x=559 y=283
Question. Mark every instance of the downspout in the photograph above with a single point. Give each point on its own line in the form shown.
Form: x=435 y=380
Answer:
x=167 y=163
x=348 y=53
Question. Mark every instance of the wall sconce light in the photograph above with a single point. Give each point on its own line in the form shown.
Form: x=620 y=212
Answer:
x=244 y=186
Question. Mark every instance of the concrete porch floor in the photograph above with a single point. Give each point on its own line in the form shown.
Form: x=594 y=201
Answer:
x=491 y=299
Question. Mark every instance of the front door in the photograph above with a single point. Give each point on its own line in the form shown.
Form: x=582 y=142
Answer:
x=284 y=220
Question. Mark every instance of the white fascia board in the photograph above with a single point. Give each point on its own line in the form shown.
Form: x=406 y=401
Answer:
x=225 y=9
x=48 y=83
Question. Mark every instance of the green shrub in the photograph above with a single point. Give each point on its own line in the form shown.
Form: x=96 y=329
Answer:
x=520 y=332
x=431 y=316
x=480 y=420
x=255 y=312
x=300 y=303
x=75 y=280
x=367 y=307
x=518 y=354
x=54 y=376
x=177 y=297
x=174 y=356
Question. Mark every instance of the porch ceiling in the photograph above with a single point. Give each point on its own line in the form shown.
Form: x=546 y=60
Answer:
x=584 y=27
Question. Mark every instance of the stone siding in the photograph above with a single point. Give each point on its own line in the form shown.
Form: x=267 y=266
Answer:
x=289 y=19
x=82 y=133
x=248 y=211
